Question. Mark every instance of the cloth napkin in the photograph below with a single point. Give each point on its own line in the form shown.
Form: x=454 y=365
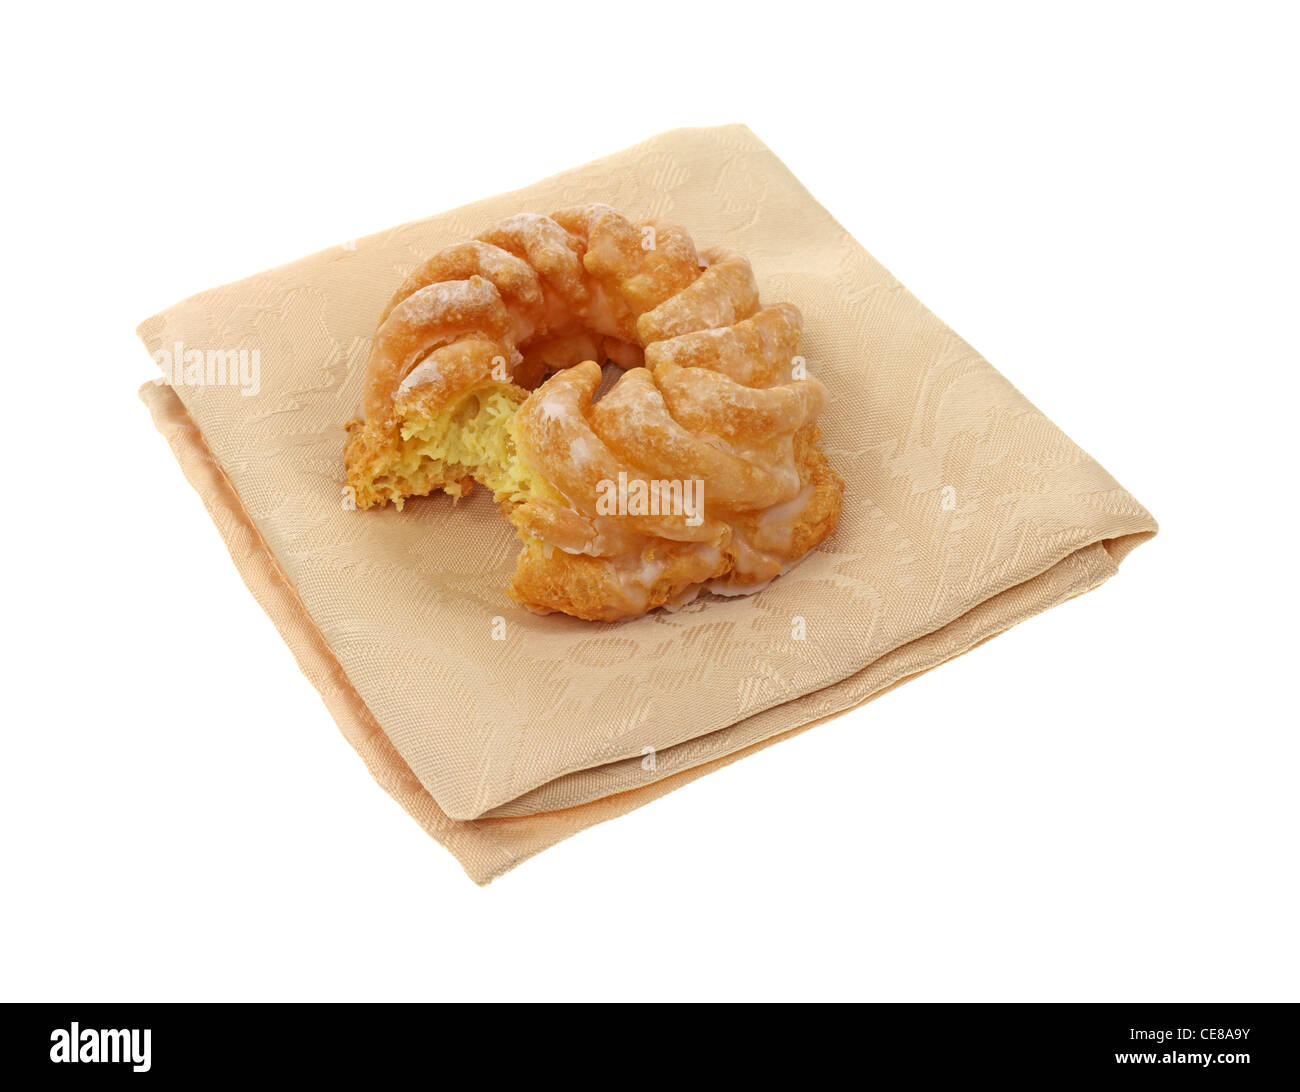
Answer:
x=502 y=732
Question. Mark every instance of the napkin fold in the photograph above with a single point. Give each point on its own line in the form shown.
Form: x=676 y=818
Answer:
x=502 y=732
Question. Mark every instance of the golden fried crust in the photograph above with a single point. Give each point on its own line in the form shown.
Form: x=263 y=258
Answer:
x=756 y=351
x=709 y=407
x=769 y=546
x=724 y=294
x=515 y=280
x=604 y=590
x=818 y=520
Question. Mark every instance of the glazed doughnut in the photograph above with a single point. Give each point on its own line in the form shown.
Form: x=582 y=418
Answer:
x=698 y=469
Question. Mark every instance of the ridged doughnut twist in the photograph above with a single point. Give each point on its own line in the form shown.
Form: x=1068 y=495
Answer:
x=699 y=467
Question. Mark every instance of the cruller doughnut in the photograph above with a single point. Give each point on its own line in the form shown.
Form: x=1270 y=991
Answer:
x=698 y=469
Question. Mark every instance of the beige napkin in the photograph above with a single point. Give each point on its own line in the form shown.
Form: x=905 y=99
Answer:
x=502 y=732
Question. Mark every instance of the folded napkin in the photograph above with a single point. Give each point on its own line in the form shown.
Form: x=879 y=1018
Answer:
x=502 y=732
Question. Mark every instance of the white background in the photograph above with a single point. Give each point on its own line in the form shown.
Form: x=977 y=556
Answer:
x=1100 y=804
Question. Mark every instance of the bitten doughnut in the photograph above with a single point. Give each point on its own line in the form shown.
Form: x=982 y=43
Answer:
x=699 y=468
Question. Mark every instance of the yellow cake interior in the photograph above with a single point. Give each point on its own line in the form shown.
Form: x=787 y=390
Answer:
x=469 y=438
